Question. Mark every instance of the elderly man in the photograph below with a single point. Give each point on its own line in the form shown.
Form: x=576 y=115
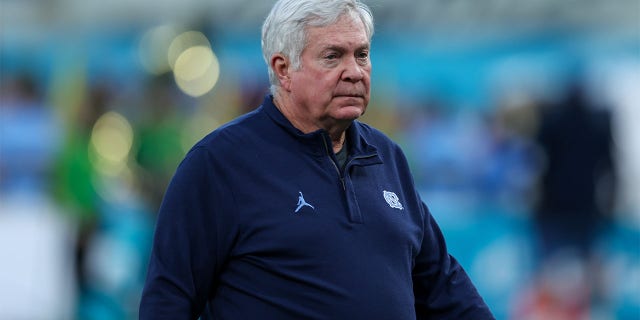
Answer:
x=298 y=211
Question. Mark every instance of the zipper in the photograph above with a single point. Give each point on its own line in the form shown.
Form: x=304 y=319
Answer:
x=335 y=166
x=341 y=175
x=353 y=210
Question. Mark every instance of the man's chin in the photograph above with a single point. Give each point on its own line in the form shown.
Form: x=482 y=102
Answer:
x=350 y=112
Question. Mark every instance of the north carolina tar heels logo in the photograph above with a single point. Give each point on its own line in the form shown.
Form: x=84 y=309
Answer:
x=392 y=199
x=302 y=203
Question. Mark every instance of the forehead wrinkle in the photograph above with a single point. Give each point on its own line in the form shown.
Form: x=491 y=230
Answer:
x=339 y=43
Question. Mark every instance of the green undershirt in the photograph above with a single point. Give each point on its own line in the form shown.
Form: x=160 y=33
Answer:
x=341 y=157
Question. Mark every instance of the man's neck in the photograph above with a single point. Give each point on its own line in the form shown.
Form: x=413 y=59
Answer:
x=338 y=143
x=336 y=130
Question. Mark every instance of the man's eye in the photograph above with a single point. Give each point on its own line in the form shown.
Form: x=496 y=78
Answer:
x=332 y=56
x=363 y=55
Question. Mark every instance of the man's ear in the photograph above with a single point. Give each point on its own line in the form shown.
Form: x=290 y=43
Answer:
x=280 y=66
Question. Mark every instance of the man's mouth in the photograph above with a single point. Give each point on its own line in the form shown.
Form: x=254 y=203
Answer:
x=349 y=95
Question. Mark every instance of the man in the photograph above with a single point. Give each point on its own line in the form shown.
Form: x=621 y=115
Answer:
x=298 y=211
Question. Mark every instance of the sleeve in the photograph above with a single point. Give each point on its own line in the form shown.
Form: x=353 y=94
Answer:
x=442 y=288
x=191 y=242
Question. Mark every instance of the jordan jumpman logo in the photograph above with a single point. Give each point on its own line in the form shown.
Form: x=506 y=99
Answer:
x=302 y=203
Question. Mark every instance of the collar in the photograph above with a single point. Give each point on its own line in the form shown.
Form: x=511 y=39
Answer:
x=319 y=140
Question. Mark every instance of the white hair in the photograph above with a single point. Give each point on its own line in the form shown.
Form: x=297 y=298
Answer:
x=284 y=29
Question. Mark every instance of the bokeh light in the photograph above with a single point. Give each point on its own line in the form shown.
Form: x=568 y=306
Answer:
x=196 y=70
x=184 y=41
x=111 y=142
x=188 y=54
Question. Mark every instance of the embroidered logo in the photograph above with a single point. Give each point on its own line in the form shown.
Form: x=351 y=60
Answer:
x=392 y=199
x=302 y=203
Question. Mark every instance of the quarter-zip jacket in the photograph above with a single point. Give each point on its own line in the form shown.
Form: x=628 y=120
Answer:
x=258 y=222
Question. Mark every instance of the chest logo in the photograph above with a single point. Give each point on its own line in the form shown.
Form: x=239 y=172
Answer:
x=392 y=199
x=302 y=203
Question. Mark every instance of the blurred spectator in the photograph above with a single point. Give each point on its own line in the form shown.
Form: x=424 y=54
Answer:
x=511 y=170
x=576 y=195
x=113 y=224
x=576 y=183
x=449 y=148
x=75 y=175
x=35 y=241
x=30 y=135
x=159 y=136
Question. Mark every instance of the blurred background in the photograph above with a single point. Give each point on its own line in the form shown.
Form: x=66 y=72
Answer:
x=520 y=121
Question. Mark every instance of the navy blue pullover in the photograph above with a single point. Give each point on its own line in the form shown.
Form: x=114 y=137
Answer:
x=258 y=222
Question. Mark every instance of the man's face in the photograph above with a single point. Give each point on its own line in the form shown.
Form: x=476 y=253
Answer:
x=333 y=82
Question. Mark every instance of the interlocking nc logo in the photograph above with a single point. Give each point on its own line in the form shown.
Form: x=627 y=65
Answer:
x=392 y=199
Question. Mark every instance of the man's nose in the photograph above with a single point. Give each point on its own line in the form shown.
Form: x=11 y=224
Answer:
x=353 y=70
